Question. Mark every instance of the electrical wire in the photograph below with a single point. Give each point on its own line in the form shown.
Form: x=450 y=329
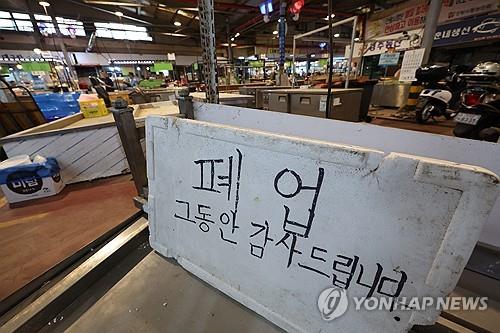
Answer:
x=330 y=60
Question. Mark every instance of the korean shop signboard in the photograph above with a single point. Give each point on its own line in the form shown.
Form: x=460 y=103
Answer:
x=404 y=19
x=458 y=9
x=476 y=29
x=412 y=16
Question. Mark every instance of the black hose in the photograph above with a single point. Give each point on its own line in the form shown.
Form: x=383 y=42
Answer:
x=330 y=51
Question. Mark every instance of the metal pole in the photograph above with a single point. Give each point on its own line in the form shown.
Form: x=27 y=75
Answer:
x=431 y=21
x=293 y=63
x=312 y=32
x=229 y=47
x=281 y=31
x=207 y=36
x=349 y=64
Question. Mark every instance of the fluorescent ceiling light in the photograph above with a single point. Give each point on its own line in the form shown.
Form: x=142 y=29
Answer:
x=173 y=34
x=114 y=3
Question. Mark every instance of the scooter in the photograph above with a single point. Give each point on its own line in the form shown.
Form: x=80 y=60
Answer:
x=479 y=115
x=441 y=94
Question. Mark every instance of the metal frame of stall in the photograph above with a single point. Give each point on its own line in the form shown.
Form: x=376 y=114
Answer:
x=353 y=19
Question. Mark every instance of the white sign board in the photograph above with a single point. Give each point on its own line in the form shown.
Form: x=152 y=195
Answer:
x=385 y=44
x=273 y=221
x=388 y=59
x=411 y=61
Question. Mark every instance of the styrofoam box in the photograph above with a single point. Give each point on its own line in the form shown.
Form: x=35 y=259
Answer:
x=28 y=186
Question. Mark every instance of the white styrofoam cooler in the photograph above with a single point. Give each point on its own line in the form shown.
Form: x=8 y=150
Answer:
x=273 y=220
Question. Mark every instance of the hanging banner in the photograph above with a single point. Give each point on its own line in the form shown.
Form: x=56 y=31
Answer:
x=476 y=29
x=457 y=9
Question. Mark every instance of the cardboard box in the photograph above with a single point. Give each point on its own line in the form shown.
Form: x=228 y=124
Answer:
x=31 y=181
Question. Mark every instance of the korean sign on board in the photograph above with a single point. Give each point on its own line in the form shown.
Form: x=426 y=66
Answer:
x=411 y=61
x=274 y=220
x=456 y=9
x=388 y=59
x=403 y=20
x=476 y=29
x=413 y=16
x=394 y=42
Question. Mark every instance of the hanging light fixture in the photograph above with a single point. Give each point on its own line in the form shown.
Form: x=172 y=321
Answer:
x=118 y=13
x=44 y=4
x=177 y=23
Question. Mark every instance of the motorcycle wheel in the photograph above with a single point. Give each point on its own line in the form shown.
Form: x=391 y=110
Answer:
x=423 y=115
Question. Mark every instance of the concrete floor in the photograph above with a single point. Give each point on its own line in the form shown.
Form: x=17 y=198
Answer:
x=35 y=236
x=386 y=117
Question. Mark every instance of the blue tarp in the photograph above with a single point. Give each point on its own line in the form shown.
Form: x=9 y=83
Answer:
x=58 y=105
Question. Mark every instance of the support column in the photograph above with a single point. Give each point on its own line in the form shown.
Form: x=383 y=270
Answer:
x=207 y=36
x=431 y=21
x=229 y=47
x=282 y=36
x=349 y=63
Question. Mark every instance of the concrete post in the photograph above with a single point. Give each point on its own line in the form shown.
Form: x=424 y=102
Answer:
x=431 y=22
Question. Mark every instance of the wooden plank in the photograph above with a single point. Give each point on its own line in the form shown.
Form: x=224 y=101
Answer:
x=87 y=152
x=113 y=164
x=10 y=145
x=96 y=155
x=64 y=142
x=92 y=139
x=46 y=127
x=31 y=146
